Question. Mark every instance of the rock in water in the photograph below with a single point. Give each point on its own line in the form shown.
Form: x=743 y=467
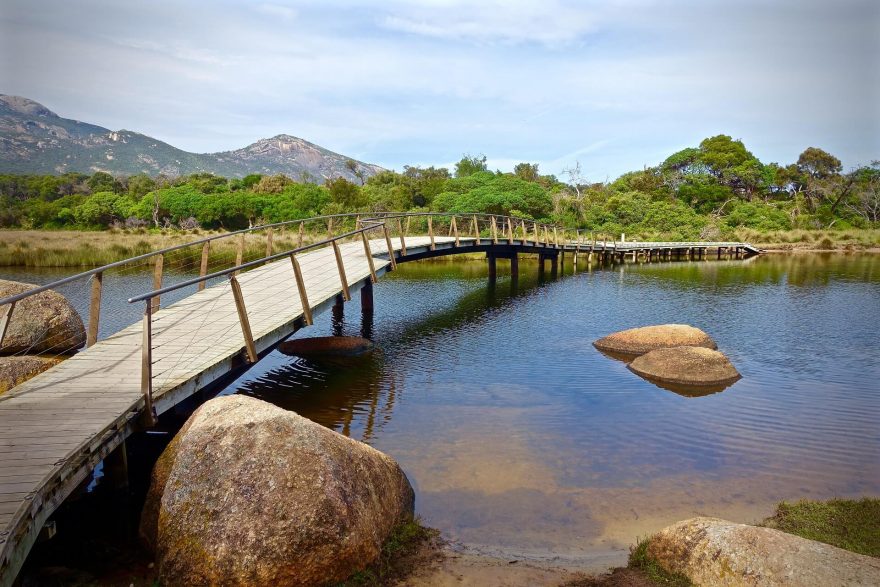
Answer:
x=637 y=341
x=251 y=494
x=45 y=322
x=15 y=370
x=327 y=346
x=686 y=365
x=710 y=551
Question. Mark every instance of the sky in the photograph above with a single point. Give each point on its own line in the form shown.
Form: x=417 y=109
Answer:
x=615 y=85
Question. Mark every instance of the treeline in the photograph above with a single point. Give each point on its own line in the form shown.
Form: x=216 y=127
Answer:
x=700 y=192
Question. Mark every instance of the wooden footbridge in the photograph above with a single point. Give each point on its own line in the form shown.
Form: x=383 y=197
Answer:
x=249 y=291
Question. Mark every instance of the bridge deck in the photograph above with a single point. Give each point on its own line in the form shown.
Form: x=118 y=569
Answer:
x=56 y=427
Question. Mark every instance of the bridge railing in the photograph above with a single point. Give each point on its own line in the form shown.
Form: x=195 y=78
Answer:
x=182 y=262
x=190 y=266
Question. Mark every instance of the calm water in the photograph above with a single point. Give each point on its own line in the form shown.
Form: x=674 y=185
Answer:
x=522 y=439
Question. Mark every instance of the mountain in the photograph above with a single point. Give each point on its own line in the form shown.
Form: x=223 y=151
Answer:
x=33 y=139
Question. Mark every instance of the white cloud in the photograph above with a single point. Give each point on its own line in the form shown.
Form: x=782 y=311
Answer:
x=520 y=82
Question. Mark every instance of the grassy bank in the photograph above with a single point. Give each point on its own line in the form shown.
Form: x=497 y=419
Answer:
x=72 y=248
x=849 y=524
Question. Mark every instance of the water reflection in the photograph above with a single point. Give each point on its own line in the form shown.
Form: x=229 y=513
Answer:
x=519 y=437
x=679 y=388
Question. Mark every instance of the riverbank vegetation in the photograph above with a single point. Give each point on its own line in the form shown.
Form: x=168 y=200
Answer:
x=849 y=524
x=716 y=190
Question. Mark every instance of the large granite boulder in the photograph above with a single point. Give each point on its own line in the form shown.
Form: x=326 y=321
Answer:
x=15 y=370
x=710 y=551
x=251 y=494
x=686 y=365
x=637 y=341
x=45 y=322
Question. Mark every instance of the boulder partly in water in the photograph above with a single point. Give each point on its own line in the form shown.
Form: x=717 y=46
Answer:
x=45 y=322
x=15 y=370
x=637 y=341
x=251 y=494
x=710 y=551
x=327 y=346
x=687 y=366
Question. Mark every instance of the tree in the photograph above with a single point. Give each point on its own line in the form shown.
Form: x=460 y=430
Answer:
x=346 y=194
x=528 y=171
x=818 y=164
x=356 y=169
x=272 y=184
x=469 y=165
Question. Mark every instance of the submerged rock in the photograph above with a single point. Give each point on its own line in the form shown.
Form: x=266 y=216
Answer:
x=685 y=365
x=251 y=494
x=327 y=346
x=710 y=551
x=637 y=341
x=15 y=370
x=45 y=322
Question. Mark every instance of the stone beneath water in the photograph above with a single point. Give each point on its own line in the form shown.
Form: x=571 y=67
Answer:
x=15 y=370
x=327 y=346
x=250 y=494
x=710 y=551
x=687 y=366
x=637 y=341
x=45 y=322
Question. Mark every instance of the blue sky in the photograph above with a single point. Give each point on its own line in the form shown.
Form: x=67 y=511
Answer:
x=616 y=85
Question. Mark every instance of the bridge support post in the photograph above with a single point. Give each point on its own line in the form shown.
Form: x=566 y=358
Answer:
x=367 y=297
x=541 y=259
x=514 y=268
x=338 y=314
x=554 y=266
x=493 y=269
x=116 y=468
x=367 y=310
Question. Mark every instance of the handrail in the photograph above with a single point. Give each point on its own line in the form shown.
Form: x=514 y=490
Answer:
x=103 y=268
x=249 y=264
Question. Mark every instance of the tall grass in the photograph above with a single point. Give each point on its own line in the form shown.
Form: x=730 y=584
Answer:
x=70 y=248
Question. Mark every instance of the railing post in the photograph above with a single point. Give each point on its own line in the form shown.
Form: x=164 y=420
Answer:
x=373 y=277
x=239 y=251
x=509 y=231
x=556 y=236
x=269 y=247
x=455 y=230
x=402 y=240
x=157 y=278
x=341 y=266
x=203 y=268
x=476 y=231
x=95 y=308
x=147 y=364
x=546 y=236
x=243 y=320
x=301 y=287
x=524 y=231
x=494 y=231
x=391 y=253
x=330 y=227
x=302 y=227
x=431 y=231
x=5 y=318
x=537 y=233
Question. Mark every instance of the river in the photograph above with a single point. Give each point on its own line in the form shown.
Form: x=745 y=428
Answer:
x=522 y=440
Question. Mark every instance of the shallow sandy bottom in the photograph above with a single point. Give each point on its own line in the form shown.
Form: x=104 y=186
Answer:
x=478 y=571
